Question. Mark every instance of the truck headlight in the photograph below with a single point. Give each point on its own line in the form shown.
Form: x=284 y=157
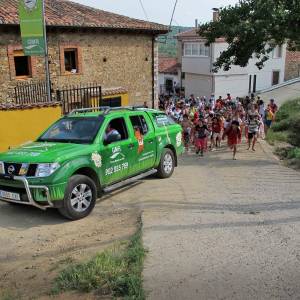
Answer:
x=2 y=171
x=44 y=170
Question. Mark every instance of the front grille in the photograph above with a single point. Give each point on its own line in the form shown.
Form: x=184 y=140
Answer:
x=13 y=169
x=31 y=170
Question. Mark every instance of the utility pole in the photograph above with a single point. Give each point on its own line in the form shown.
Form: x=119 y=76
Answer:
x=47 y=70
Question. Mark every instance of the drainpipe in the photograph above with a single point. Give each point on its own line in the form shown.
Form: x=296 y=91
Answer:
x=153 y=72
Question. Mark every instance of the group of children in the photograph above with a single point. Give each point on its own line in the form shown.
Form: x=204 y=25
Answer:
x=206 y=124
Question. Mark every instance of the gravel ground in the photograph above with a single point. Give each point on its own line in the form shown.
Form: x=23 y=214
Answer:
x=223 y=229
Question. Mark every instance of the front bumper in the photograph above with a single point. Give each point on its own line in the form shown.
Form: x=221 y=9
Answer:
x=30 y=200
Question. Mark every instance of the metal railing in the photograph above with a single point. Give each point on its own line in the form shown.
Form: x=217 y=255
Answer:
x=77 y=97
x=31 y=93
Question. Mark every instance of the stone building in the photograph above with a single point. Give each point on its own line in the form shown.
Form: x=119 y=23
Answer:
x=85 y=45
x=292 y=65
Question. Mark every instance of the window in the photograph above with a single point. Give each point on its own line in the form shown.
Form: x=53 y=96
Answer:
x=162 y=120
x=196 y=49
x=277 y=52
x=70 y=59
x=120 y=126
x=71 y=64
x=73 y=130
x=22 y=66
x=139 y=122
x=112 y=102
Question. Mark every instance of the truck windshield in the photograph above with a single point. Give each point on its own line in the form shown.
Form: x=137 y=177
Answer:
x=73 y=130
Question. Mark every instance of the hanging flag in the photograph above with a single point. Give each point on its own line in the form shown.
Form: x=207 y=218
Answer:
x=32 y=27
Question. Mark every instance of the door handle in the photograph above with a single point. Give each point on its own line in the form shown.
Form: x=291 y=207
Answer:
x=150 y=141
x=131 y=146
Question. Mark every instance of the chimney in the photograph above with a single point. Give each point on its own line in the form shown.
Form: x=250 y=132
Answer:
x=216 y=14
x=196 y=23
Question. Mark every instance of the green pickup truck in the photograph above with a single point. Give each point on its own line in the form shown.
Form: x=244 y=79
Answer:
x=87 y=153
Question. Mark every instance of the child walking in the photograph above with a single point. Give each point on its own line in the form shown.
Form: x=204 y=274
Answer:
x=201 y=134
x=234 y=136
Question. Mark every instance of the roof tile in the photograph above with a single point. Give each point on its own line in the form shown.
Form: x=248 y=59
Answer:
x=64 y=13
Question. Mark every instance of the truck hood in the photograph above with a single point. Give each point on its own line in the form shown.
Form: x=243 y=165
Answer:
x=42 y=152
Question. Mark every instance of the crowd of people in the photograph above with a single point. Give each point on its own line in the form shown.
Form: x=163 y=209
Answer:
x=206 y=122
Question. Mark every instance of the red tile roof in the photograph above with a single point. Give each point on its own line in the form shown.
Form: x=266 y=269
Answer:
x=168 y=65
x=192 y=34
x=64 y=13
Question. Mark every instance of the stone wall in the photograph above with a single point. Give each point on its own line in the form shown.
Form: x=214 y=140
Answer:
x=292 y=65
x=112 y=59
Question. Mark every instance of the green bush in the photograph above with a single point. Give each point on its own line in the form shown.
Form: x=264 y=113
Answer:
x=294 y=131
x=288 y=110
x=281 y=136
x=281 y=125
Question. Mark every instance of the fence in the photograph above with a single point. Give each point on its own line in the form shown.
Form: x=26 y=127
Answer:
x=79 y=97
x=31 y=93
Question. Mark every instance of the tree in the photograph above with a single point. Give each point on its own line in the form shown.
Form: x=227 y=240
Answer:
x=253 y=28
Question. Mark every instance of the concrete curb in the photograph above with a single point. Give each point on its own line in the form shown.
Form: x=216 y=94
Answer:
x=268 y=149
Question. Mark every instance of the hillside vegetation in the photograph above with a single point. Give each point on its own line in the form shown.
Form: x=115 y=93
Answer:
x=168 y=42
x=285 y=133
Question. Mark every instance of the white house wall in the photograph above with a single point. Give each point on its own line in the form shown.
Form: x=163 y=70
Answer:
x=236 y=85
x=196 y=65
x=199 y=85
x=264 y=76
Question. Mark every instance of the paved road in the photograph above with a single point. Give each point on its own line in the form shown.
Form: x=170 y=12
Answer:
x=283 y=94
x=223 y=229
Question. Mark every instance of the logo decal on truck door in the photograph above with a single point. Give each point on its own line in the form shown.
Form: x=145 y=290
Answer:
x=97 y=159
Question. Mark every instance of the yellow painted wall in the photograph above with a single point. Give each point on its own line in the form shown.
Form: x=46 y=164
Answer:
x=20 y=126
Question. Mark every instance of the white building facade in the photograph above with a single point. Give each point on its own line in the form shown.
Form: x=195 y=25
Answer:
x=197 y=61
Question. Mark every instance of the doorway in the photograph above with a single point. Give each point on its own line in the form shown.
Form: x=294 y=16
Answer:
x=275 y=77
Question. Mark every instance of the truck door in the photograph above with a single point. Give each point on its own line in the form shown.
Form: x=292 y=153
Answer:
x=144 y=143
x=116 y=155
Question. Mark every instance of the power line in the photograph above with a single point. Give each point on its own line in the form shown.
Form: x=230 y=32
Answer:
x=143 y=8
x=173 y=14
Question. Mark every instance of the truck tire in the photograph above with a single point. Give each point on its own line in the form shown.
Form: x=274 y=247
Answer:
x=80 y=198
x=167 y=164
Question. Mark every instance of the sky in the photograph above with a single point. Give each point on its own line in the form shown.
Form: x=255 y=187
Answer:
x=160 y=11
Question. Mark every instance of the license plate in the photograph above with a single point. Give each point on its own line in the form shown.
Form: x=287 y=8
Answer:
x=9 y=195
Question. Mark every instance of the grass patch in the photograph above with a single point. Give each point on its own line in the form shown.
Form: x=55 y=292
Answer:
x=273 y=136
x=287 y=129
x=116 y=271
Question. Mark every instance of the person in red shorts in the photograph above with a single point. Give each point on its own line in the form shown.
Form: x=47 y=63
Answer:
x=234 y=136
x=216 y=132
x=201 y=134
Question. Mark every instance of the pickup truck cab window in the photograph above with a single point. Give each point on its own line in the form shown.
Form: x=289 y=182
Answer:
x=73 y=130
x=162 y=120
x=139 y=122
x=116 y=130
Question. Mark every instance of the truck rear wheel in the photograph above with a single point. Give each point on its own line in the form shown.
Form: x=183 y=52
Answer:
x=80 y=197
x=167 y=164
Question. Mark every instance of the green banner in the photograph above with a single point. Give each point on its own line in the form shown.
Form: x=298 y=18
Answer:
x=32 y=27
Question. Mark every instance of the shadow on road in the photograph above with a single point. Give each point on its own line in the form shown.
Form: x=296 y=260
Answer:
x=22 y=217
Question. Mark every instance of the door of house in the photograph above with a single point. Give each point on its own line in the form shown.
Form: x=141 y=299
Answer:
x=254 y=84
x=275 y=78
x=169 y=85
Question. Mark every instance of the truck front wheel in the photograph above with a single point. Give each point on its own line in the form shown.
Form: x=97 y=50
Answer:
x=167 y=164
x=80 y=197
